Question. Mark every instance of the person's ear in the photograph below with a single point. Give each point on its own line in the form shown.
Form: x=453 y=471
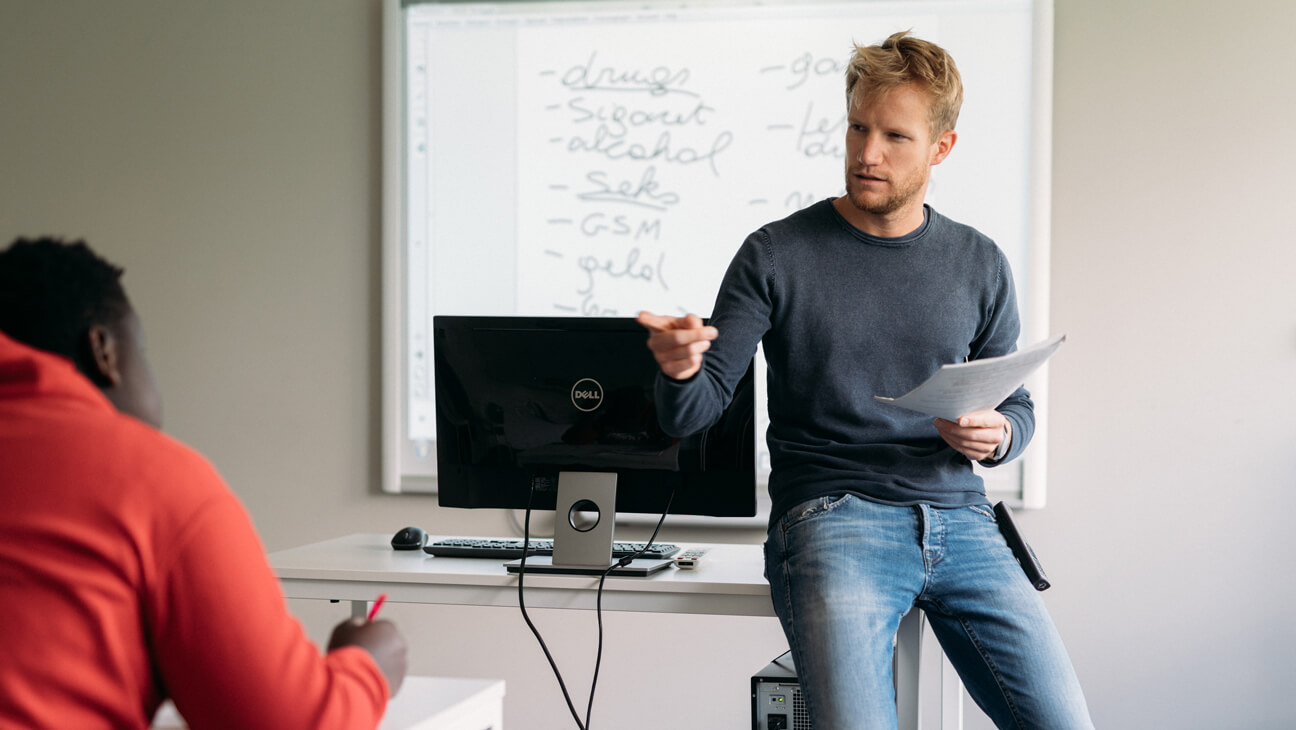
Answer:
x=943 y=145
x=106 y=356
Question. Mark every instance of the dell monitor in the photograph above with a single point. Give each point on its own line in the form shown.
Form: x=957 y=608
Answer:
x=557 y=413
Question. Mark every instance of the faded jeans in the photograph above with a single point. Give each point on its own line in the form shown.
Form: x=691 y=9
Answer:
x=843 y=571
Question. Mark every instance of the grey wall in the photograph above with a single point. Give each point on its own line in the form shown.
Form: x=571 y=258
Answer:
x=227 y=154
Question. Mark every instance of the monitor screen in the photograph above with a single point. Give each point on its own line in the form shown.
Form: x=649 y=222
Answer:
x=522 y=400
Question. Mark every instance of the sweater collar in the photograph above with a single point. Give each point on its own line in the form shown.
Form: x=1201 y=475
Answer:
x=897 y=242
x=26 y=372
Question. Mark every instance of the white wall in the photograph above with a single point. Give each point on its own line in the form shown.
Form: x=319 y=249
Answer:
x=1173 y=272
x=228 y=155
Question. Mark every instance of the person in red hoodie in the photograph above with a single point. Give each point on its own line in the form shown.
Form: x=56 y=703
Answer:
x=130 y=572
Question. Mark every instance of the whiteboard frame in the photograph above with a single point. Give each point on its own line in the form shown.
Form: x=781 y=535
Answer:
x=1034 y=490
x=398 y=453
x=391 y=433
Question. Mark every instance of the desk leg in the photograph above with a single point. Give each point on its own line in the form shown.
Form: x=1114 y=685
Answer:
x=951 y=696
x=905 y=668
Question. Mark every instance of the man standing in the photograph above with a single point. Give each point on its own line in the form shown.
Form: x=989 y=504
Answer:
x=876 y=509
x=130 y=572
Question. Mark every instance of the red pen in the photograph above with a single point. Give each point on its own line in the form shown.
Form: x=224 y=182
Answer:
x=373 y=612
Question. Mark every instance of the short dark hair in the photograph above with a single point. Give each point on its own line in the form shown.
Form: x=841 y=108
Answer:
x=52 y=293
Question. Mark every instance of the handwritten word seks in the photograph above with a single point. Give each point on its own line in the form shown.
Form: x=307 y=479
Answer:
x=645 y=193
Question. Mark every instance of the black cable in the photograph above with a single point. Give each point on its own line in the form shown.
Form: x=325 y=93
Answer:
x=526 y=548
x=598 y=660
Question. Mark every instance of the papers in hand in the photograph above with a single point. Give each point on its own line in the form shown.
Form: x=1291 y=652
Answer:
x=961 y=388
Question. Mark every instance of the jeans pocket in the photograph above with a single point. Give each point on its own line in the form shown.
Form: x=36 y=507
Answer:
x=984 y=511
x=813 y=508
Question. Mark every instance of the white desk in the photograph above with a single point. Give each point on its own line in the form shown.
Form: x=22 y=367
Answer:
x=357 y=568
x=439 y=703
x=730 y=582
x=423 y=703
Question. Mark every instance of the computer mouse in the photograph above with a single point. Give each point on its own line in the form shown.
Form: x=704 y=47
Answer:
x=409 y=538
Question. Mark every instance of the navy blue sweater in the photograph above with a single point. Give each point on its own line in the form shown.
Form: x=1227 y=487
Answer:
x=845 y=316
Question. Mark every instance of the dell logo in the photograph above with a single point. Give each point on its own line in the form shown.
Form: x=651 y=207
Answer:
x=587 y=394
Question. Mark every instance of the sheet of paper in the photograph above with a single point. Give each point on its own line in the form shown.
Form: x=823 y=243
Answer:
x=964 y=387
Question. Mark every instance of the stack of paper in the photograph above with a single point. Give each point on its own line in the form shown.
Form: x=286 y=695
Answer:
x=962 y=388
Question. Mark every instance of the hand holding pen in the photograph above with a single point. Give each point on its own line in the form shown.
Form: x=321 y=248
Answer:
x=378 y=637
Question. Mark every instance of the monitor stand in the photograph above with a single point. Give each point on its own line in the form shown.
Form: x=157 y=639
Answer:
x=585 y=516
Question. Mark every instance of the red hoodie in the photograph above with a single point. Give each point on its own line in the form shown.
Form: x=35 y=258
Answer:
x=129 y=573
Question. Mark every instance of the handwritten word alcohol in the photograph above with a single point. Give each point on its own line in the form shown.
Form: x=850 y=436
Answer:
x=664 y=149
x=645 y=193
x=655 y=81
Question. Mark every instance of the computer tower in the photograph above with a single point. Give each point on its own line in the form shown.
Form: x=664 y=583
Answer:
x=776 y=697
x=777 y=702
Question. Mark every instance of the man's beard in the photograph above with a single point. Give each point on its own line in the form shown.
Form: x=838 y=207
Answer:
x=899 y=198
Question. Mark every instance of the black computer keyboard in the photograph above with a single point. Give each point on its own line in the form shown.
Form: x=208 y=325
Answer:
x=511 y=548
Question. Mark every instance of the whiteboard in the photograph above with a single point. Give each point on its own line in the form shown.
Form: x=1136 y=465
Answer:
x=602 y=158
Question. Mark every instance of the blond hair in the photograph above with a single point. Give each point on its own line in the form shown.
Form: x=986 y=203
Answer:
x=903 y=59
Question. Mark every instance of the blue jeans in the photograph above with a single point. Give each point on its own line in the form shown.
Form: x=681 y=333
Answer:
x=843 y=571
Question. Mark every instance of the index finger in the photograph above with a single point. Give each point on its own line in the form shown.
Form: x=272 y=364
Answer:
x=988 y=418
x=655 y=322
x=663 y=323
